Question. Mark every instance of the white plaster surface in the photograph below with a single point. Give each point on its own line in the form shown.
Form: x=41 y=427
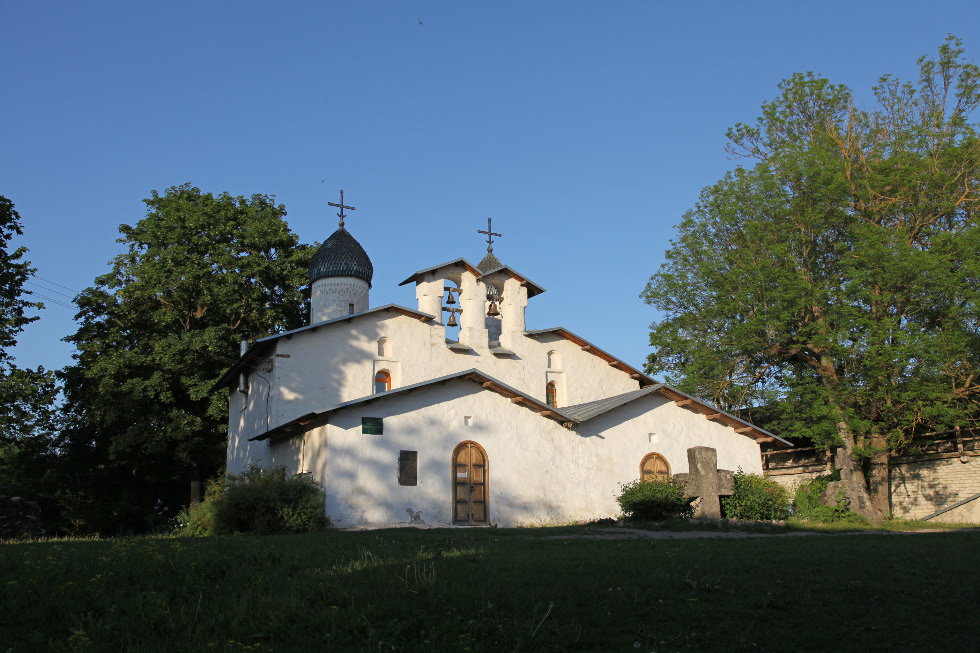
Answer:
x=538 y=472
x=331 y=298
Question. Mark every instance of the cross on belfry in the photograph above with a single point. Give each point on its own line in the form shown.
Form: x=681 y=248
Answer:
x=490 y=235
x=341 y=207
x=705 y=480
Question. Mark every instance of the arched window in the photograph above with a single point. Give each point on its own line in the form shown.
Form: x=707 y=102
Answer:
x=654 y=466
x=551 y=394
x=384 y=348
x=382 y=381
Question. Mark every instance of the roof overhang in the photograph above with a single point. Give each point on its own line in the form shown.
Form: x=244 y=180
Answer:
x=532 y=288
x=634 y=373
x=304 y=423
x=254 y=354
x=584 y=412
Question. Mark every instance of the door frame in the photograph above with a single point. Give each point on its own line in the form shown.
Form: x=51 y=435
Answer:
x=486 y=480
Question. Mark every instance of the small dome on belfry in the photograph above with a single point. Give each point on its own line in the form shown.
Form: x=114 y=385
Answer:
x=340 y=274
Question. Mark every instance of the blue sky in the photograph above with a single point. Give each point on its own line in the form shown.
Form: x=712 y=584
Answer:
x=583 y=129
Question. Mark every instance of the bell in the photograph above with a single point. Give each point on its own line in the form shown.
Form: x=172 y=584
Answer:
x=451 y=300
x=492 y=311
x=452 y=319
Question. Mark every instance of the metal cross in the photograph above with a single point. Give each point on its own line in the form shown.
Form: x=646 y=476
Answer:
x=489 y=233
x=341 y=207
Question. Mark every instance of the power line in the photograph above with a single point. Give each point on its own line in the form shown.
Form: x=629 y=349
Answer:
x=31 y=283
x=57 y=284
x=52 y=300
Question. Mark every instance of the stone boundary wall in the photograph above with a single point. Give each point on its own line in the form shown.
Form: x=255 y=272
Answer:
x=942 y=473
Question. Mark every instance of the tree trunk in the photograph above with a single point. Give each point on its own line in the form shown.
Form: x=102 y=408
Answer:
x=852 y=477
x=878 y=481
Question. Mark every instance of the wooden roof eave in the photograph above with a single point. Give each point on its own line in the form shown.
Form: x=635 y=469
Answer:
x=587 y=346
x=710 y=412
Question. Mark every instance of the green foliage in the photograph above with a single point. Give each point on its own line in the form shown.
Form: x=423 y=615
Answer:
x=806 y=499
x=808 y=507
x=654 y=500
x=27 y=396
x=837 y=277
x=258 y=501
x=14 y=273
x=155 y=333
x=755 y=497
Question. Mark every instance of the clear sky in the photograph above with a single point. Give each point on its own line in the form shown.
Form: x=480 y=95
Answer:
x=584 y=129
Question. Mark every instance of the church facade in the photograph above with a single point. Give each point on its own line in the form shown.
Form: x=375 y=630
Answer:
x=402 y=420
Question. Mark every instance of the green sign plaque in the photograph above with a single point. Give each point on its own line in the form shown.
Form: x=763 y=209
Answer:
x=372 y=426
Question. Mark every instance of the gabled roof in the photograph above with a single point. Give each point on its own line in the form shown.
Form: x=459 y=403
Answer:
x=585 y=412
x=460 y=262
x=254 y=353
x=642 y=378
x=295 y=426
x=532 y=288
x=567 y=416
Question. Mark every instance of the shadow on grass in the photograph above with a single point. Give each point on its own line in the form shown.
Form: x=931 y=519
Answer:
x=488 y=589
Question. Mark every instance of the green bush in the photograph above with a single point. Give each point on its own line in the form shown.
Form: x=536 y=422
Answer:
x=258 y=501
x=807 y=505
x=755 y=497
x=653 y=500
x=806 y=501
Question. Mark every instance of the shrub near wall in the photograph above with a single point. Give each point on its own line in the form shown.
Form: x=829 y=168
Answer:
x=259 y=501
x=755 y=497
x=654 y=500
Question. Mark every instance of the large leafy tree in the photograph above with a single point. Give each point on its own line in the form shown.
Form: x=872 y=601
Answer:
x=837 y=278
x=26 y=395
x=155 y=334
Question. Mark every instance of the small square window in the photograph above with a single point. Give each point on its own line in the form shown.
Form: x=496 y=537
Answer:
x=408 y=468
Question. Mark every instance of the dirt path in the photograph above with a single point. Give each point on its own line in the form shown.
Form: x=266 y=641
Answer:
x=620 y=533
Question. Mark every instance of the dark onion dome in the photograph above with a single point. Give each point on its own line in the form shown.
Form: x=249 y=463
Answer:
x=341 y=256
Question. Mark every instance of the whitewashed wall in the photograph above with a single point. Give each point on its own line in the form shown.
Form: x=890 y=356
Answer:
x=335 y=363
x=538 y=471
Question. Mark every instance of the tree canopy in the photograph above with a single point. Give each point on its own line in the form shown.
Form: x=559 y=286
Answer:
x=155 y=334
x=836 y=278
x=26 y=395
x=14 y=273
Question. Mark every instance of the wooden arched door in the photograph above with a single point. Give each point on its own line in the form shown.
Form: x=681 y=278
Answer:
x=470 y=485
x=654 y=466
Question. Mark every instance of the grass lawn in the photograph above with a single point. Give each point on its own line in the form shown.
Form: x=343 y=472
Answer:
x=492 y=590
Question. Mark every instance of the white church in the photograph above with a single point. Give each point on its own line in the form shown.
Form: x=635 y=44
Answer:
x=506 y=425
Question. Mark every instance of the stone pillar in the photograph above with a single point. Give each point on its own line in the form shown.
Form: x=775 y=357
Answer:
x=512 y=307
x=334 y=297
x=472 y=332
x=429 y=294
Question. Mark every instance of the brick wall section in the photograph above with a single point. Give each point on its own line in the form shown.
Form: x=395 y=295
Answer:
x=794 y=479
x=919 y=488
x=943 y=473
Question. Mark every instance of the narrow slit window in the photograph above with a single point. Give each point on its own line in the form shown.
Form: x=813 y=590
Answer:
x=408 y=468
x=551 y=394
